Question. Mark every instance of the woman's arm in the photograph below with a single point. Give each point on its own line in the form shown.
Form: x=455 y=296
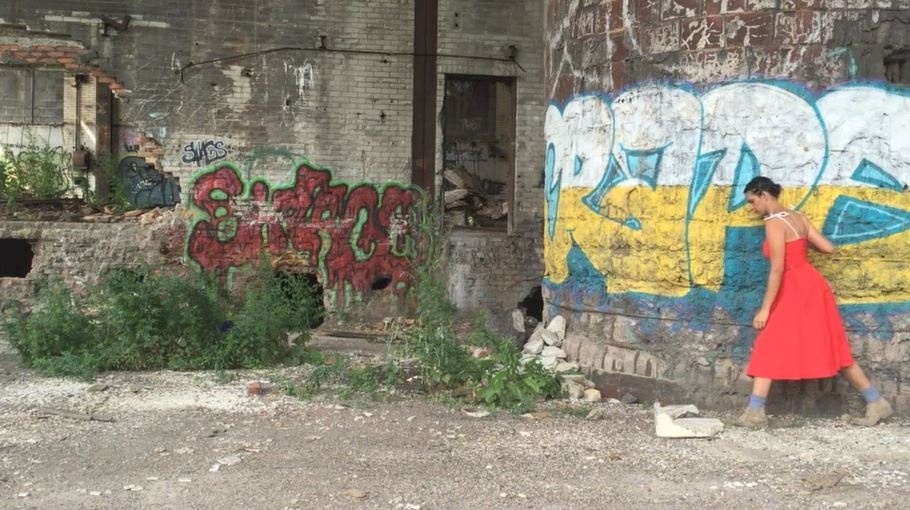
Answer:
x=817 y=240
x=776 y=237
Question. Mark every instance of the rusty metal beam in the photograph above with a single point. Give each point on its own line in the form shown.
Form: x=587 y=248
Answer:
x=423 y=134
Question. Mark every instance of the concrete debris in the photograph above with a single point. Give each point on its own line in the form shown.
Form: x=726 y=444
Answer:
x=555 y=352
x=527 y=358
x=535 y=344
x=229 y=461
x=545 y=343
x=558 y=325
x=355 y=494
x=567 y=366
x=474 y=412
x=576 y=391
x=670 y=421
x=473 y=201
x=548 y=362
x=518 y=321
x=550 y=338
x=591 y=395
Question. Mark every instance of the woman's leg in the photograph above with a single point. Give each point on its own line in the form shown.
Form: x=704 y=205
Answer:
x=877 y=408
x=761 y=386
x=754 y=415
x=855 y=376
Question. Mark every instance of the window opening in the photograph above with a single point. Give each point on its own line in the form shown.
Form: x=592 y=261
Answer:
x=15 y=258
x=478 y=150
x=897 y=69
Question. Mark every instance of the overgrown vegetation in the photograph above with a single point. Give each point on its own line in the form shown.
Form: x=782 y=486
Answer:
x=107 y=171
x=35 y=171
x=140 y=319
x=147 y=320
x=41 y=172
x=496 y=380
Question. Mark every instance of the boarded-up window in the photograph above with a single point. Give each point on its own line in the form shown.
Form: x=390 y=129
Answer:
x=897 y=66
x=31 y=96
x=478 y=149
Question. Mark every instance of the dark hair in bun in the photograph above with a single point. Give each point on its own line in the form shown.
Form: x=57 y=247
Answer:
x=763 y=184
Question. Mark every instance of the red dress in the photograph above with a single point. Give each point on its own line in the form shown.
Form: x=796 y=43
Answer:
x=804 y=337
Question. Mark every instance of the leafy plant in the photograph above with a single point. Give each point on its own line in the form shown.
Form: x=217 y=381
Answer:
x=108 y=172
x=498 y=380
x=55 y=337
x=36 y=171
x=139 y=319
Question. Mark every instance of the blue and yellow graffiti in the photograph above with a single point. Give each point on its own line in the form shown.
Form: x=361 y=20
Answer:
x=644 y=196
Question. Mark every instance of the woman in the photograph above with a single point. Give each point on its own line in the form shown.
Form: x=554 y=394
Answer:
x=801 y=335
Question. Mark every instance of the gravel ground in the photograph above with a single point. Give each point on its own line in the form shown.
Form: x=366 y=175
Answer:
x=196 y=440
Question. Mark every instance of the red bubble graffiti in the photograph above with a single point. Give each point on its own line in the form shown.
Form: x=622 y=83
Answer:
x=354 y=235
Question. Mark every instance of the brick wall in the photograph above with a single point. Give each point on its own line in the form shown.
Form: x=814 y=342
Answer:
x=347 y=111
x=242 y=88
x=78 y=253
x=495 y=270
x=661 y=111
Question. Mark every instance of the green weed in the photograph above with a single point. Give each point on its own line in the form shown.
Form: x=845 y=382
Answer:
x=36 y=171
x=498 y=380
x=139 y=319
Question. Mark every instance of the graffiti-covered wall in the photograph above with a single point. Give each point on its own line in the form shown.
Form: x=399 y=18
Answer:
x=649 y=247
x=356 y=237
x=213 y=84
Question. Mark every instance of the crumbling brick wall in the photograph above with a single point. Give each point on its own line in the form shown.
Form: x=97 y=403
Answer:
x=239 y=99
x=662 y=110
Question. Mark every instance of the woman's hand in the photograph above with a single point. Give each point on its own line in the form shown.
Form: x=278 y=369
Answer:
x=760 y=319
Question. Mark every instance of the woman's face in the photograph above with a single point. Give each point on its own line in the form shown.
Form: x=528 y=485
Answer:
x=758 y=202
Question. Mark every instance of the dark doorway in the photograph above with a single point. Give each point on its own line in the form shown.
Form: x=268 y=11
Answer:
x=479 y=150
x=15 y=258
x=306 y=286
x=532 y=304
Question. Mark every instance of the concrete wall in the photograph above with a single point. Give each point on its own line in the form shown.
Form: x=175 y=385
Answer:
x=661 y=112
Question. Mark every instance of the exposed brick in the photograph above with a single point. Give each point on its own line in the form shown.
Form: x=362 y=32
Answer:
x=704 y=33
x=671 y=9
x=618 y=75
x=749 y=29
x=646 y=11
x=735 y=6
x=615 y=16
x=801 y=27
x=619 y=50
x=660 y=38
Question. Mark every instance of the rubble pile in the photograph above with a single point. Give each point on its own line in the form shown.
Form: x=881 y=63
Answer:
x=544 y=344
x=469 y=200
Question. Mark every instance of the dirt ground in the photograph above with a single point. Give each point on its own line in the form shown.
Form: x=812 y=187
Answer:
x=197 y=441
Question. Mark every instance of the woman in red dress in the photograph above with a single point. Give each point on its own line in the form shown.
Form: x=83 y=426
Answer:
x=801 y=335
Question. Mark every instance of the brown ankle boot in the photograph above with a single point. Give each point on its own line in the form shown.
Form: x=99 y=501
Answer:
x=753 y=418
x=875 y=412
